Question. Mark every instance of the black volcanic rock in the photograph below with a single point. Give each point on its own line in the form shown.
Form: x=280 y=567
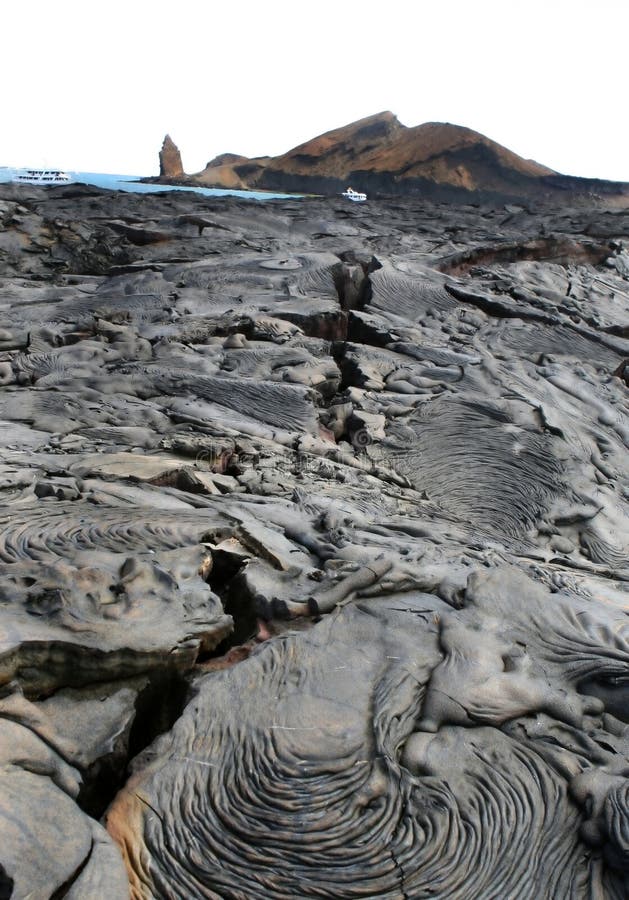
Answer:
x=314 y=539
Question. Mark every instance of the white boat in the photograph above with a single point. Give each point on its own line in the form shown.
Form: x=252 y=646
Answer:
x=356 y=196
x=40 y=176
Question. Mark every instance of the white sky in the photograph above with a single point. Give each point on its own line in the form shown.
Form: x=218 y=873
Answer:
x=95 y=86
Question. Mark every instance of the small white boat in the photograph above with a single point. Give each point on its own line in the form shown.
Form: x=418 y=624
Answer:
x=40 y=176
x=356 y=196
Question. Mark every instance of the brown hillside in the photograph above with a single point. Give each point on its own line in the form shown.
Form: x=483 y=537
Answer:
x=385 y=155
x=415 y=151
x=381 y=143
x=339 y=151
x=379 y=154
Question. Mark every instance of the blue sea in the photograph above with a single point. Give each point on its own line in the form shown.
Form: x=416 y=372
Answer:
x=131 y=184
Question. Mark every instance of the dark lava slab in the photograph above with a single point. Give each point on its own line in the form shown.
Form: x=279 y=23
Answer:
x=313 y=548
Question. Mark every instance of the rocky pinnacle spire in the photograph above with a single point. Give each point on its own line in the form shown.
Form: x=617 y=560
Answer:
x=170 y=160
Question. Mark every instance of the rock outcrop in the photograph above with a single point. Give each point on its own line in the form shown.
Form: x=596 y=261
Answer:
x=170 y=165
x=437 y=160
x=314 y=542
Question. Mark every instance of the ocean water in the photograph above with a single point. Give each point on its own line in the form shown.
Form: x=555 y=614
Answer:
x=130 y=184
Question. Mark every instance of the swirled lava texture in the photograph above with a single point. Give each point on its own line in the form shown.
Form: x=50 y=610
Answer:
x=313 y=548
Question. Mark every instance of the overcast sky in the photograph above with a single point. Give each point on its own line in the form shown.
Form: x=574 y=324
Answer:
x=95 y=86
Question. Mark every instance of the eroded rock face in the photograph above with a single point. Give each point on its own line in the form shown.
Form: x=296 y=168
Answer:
x=170 y=165
x=313 y=548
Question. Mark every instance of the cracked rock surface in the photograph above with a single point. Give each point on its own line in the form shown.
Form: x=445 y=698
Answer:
x=314 y=548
